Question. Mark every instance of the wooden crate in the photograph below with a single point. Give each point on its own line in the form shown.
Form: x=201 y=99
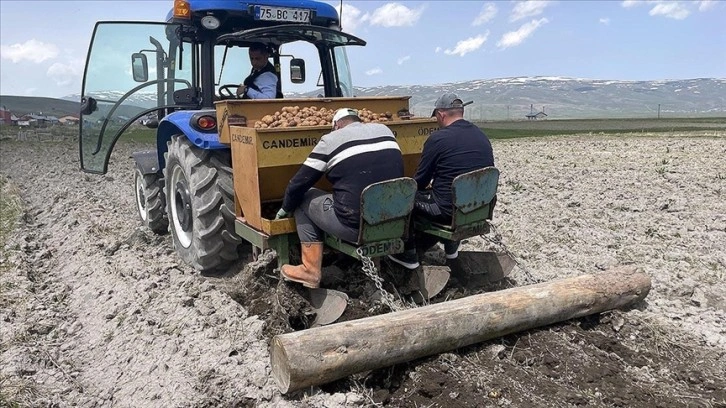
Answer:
x=264 y=160
x=249 y=111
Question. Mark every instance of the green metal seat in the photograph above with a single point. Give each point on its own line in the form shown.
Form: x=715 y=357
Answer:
x=385 y=210
x=474 y=196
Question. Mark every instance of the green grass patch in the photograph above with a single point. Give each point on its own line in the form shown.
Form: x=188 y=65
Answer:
x=11 y=389
x=10 y=209
x=515 y=133
x=134 y=133
x=539 y=128
x=6 y=402
x=140 y=135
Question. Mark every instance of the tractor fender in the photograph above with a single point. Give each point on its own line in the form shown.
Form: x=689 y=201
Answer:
x=147 y=161
x=180 y=123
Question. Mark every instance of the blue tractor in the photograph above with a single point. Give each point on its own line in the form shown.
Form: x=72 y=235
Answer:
x=168 y=76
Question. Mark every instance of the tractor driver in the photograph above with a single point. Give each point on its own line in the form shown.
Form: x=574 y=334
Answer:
x=458 y=147
x=262 y=82
x=352 y=156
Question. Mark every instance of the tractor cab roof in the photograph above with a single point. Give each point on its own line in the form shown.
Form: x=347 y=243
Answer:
x=278 y=35
x=234 y=16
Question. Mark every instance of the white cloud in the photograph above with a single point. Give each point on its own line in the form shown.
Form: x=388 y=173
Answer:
x=66 y=74
x=403 y=59
x=395 y=15
x=514 y=38
x=705 y=5
x=672 y=10
x=487 y=13
x=32 y=50
x=350 y=17
x=438 y=50
x=631 y=3
x=605 y=21
x=531 y=8
x=374 y=71
x=471 y=44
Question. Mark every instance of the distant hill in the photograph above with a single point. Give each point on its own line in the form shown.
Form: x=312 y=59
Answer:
x=568 y=98
x=23 y=105
x=501 y=98
x=571 y=98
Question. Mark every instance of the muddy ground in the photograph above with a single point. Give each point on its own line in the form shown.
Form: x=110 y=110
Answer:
x=96 y=311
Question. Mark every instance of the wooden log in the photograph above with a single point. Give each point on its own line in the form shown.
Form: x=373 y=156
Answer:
x=320 y=355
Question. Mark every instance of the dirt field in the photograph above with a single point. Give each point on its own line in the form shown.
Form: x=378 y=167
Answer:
x=96 y=311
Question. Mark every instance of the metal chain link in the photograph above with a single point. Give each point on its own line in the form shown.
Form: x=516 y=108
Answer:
x=369 y=268
x=501 y=246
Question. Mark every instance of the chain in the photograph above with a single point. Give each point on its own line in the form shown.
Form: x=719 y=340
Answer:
x=369 y=268
x=499 y=243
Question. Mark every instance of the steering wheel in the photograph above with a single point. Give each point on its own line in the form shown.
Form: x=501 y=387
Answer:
x=228 y=91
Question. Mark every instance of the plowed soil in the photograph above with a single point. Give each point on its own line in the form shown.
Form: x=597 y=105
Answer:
x=97 y=311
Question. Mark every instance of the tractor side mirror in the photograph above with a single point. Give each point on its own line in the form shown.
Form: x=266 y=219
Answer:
x=297 y=71
x=139 y=67
x=88 y=106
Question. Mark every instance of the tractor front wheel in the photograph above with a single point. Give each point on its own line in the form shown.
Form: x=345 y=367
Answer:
x=200 y=204
x=150 y=201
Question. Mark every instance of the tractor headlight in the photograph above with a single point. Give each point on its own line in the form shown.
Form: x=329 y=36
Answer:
x=210 y=22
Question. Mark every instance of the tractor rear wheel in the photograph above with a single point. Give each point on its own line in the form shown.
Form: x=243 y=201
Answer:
x=200 y=204
x=150 y=201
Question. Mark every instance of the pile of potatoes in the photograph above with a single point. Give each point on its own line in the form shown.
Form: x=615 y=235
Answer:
x=293 y=116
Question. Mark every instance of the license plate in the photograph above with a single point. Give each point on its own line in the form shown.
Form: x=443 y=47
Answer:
x=292 y=15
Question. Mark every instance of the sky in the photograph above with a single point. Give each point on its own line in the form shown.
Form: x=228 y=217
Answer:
x=43 y=44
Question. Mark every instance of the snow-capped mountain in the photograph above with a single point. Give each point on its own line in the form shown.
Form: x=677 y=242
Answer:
x=142 y=100
x=570 y=98
x=559 y=97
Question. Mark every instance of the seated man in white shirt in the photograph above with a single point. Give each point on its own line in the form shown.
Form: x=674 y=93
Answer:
x=262 y=83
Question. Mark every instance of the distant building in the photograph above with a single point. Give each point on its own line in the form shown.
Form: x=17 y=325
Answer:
x=534 y=116
x=33 y=120
x=69 y=120
x=6 y=117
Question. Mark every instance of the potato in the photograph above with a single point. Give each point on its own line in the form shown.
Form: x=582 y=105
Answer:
x=295 y=116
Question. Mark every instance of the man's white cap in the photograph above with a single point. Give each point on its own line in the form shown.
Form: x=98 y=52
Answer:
x=343 y=112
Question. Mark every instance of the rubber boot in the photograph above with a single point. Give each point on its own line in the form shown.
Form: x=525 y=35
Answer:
x=310 y=272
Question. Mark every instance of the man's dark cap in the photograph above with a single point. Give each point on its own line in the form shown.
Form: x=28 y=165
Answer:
x=449 y=101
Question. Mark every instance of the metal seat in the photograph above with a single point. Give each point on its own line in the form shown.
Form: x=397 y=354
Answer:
x=385 y=210
x=474 y=196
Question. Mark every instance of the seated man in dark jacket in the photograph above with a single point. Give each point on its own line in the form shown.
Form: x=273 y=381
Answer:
x=352 y=156
x=458 y=147
x=262 y=82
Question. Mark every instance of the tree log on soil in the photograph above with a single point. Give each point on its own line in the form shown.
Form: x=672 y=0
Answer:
x=320 y=355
